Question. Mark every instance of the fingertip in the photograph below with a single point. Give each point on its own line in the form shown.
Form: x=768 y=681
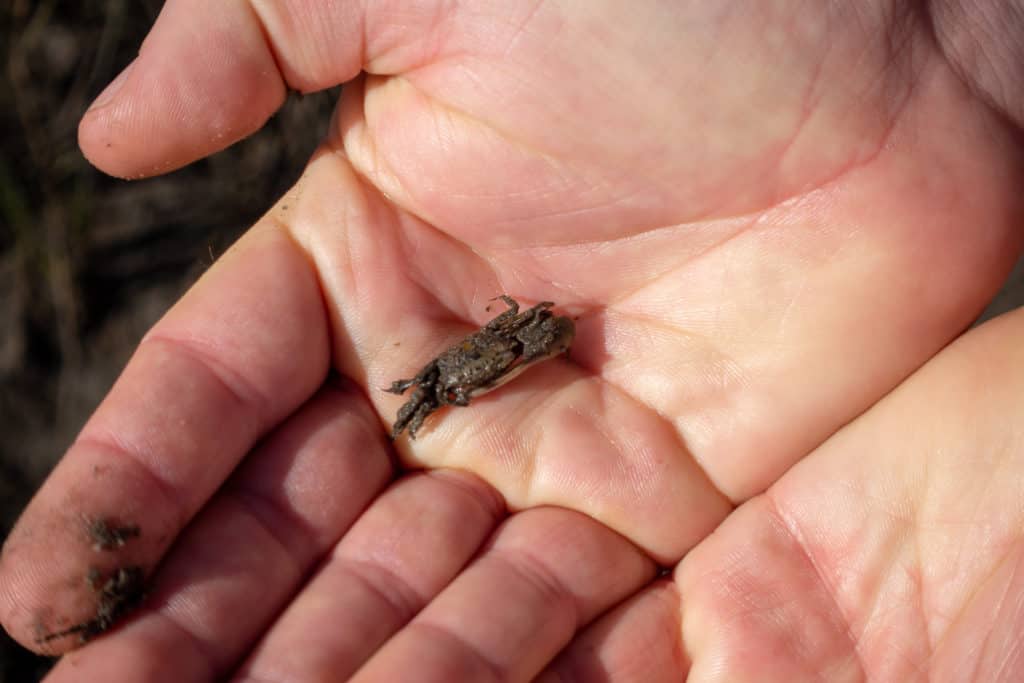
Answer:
x=72 y=568
x=195 y=88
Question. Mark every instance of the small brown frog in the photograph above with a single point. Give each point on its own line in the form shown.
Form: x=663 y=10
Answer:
x=484 y=360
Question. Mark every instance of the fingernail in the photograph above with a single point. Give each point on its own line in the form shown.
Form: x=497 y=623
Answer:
x=111 y=90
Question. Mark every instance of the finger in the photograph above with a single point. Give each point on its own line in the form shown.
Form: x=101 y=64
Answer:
x=247 y=552
x=204 y=78
x=640 y=640
x=547 y=573
x=209 y=74
x=756 y=608
x=401 y=553
x=242 y=350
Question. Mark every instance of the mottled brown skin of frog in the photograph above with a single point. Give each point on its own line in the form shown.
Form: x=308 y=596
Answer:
x=484 y=360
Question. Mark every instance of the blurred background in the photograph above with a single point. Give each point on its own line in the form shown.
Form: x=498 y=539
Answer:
x=88 y=262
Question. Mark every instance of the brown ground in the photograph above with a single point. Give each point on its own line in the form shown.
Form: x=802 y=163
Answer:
x=88 y=262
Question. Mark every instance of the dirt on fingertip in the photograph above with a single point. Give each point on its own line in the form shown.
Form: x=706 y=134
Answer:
x=107 y=535
x=117 y=591
x=117 y=595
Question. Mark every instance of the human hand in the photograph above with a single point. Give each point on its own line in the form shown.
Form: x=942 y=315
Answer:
x=890 y=553
x=761 y=234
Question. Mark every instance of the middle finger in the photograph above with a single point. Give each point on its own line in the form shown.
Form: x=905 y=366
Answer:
x=404 y=549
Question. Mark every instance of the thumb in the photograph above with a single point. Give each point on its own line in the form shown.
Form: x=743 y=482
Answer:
x=211 y=73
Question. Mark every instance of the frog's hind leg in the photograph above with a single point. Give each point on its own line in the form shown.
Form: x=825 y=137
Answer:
x=413 y=412
x=428 y=375
x=418 y=417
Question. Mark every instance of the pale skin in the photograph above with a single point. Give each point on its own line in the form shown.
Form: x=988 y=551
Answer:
x=767 y=216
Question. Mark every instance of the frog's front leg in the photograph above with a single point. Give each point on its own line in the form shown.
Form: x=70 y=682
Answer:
x=533 y=316
x=547 y=338
x=426 y=376
x=513 y=305
x=502 y=320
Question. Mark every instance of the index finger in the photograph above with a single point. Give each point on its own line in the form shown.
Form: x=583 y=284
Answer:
x=242 y=350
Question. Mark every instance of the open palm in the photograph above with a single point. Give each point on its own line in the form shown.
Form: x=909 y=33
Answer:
x=763 y=219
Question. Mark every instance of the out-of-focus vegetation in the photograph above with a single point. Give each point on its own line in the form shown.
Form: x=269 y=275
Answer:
x=88 y=262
